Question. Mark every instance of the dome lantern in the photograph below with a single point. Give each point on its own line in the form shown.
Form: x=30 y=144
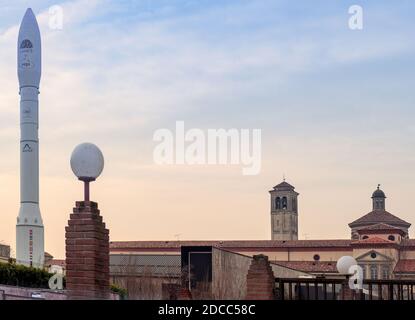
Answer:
x=378 y=198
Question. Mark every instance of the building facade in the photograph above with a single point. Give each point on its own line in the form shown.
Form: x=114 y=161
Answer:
x=4 y=253
x=378 y=215
x=379 y=242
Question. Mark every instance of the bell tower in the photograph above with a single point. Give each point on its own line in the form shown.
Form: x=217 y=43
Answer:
x=284 y=212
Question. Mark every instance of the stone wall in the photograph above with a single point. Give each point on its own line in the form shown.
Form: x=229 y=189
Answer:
x=21 y=293
x=229 y=274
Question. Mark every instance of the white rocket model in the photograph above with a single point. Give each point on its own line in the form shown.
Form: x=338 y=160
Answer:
x=29 y=228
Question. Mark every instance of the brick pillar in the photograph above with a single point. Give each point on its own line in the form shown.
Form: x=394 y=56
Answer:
x=184 y=294
x=87 y=253
x=260 y=280
x=348 y=294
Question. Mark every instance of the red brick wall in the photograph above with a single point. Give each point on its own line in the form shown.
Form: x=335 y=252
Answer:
x=260 y=280
x=184 y=294
x=87 y=253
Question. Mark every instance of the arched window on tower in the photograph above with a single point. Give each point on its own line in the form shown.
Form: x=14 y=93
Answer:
x=277 y=203
x=284 y=203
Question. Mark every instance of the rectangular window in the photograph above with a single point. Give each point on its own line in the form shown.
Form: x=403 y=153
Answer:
x=373 y=272
x=364 y=270
x=385 y=272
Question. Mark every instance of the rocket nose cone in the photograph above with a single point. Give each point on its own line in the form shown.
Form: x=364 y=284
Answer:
x=29 y=20
x=29 y=51
x=29 y=11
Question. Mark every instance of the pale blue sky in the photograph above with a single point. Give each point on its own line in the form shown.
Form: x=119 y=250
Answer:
x=336 y=108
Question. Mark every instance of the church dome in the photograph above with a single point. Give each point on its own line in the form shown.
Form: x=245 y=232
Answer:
x=378 y=193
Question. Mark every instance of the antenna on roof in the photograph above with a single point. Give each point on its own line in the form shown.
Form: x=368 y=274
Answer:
x=378 y=186
x=283 y=177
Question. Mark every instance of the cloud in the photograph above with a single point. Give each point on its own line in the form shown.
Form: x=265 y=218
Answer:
x=118 y=70
x=121 y=74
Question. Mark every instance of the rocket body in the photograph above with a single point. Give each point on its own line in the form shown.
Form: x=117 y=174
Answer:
x=29 y=228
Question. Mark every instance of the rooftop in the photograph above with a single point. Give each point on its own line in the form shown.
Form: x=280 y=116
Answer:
x=57 y=262
x=405 y=266
x=374 y=240
x=310 y=266
x=379 y=216
x=378 y=193
x=380 y=228
x=284 y=186
x=230 y=244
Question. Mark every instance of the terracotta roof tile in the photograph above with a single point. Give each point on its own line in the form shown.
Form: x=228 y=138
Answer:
x=405 y=266
x=57 y=262
x=408 y=242
x=310 y=266
x=374 y=240
x=230 y=244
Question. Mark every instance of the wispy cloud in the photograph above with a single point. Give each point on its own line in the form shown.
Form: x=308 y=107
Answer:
x=118 y=70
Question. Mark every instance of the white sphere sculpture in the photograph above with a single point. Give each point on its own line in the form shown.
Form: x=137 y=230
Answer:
x=87 y=161
x=344 y=263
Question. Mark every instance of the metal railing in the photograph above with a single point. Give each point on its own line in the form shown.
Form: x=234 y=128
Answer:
x=338 y=289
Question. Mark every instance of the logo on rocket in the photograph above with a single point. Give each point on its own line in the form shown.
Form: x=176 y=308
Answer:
x=27 y=148
x=26 y=44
